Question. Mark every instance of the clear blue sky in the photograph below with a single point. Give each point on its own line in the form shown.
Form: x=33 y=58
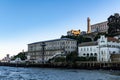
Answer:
x=27 y=21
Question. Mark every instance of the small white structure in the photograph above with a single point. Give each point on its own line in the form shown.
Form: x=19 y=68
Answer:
x=17 y=60
x=6 y=59
x=28 y=57
x=102 y=48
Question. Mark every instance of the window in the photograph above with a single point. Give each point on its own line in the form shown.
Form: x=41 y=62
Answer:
x=81 y=49
x=102 y=59
x=31 y=48
x=95 y=54
x=84 y=54
x=113 y=46
x=84 y=49
x=68 y=47
x=87 y=49
x=113 y=52
x=102 y=41
x=87 y=54
x=58 y=43
x=68 y=42
x=91 y=54
x=63 y=43
x=90 y=49
x=102 y=52
x=109 y=45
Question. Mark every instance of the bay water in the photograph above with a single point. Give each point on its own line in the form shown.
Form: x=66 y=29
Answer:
x=18 y=73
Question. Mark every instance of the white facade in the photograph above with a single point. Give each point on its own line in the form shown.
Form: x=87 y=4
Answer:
x=88 y=49
x=52 y=48
x=102 y=49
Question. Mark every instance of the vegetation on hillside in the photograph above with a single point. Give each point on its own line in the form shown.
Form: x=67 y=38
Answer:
x=79 y=38
x=20 y=55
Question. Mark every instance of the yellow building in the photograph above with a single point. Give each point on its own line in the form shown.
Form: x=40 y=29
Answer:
x=73 y=33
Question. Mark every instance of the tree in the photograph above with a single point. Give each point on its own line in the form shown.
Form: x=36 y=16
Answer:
x=20 y=55
x=114 y=24
x=59 y=59
x=71 y=57
x=98 y=36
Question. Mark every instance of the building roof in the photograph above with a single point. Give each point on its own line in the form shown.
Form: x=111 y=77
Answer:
x=99 y=23
x=112 y=39
x=88 y=43
x=53 y=40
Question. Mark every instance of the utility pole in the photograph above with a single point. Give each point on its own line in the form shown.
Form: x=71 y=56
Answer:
x=43 y=52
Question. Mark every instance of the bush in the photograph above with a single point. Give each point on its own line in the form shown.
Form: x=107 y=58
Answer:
x=71 y=57
x=59 y=59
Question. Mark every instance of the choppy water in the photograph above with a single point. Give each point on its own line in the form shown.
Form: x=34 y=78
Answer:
x=13 y=73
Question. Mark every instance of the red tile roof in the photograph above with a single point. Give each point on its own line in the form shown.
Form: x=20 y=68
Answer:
x=112 y=39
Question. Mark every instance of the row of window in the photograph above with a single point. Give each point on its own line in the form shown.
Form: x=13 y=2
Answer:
x=48 y=48
x=40 y=53
x=88 y=49
x=89 y=54
x=61 y=43
x=52 y=44
x=113 y=46
x=101 y=26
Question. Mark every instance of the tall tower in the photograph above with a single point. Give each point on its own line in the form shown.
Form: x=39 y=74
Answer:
x=88 y=25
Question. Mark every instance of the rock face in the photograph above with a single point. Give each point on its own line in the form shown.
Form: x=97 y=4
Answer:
x=114 y=24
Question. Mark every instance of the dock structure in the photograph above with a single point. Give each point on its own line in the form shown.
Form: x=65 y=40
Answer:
x=77 y=65
x=98 y=65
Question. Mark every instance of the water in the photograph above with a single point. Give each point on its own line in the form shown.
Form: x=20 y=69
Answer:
x=14 y=73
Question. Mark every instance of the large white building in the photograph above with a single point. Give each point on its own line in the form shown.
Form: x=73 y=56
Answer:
x=102 y=48
x=51 y=48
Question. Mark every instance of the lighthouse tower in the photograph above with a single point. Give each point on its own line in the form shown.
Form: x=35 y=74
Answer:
x=88 y=26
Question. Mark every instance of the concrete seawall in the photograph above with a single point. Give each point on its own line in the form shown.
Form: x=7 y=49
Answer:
x=77 y=65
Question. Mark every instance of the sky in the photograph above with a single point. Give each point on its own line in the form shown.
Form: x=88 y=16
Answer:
x=27 y=21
